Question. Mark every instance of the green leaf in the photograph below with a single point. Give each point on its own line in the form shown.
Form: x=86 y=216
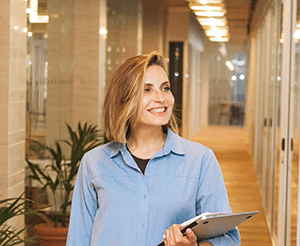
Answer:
x=81 y=140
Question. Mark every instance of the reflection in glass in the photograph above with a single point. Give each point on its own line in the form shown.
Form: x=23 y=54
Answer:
x=36 y=82
x=227 y=86
x=122 y=32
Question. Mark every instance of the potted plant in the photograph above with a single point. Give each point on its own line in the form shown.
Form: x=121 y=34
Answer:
x=11 y=208
x=59 y=177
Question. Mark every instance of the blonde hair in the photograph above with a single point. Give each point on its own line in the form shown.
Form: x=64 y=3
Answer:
x=122 y=106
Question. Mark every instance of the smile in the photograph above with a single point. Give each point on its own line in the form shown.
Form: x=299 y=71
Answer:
x=157 y=110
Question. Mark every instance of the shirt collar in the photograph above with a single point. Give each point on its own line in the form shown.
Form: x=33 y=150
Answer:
x=116 y=147
x=120 y=148
x=173 y=144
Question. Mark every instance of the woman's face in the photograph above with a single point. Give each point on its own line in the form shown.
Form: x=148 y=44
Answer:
x=158 y=101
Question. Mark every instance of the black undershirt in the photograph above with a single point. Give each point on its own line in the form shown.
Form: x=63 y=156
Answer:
x=142 y=163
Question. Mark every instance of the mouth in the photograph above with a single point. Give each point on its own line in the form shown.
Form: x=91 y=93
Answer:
x=158 y=110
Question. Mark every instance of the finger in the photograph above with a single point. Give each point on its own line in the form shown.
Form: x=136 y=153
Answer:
x=191 y=235
x=171 y=239
x=175 y=234
x=180 y=227
x=167 y=238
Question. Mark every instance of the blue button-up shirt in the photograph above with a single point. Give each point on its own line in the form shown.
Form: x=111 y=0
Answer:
x=115 y=204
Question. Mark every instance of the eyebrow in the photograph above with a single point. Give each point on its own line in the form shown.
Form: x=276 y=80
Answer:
x=163 y=83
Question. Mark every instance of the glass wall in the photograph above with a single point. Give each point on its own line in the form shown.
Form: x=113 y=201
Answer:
x=124 y=33
x=295 y=94
x=74 y=47
x=277 y=119
x=227 y=84
x=36 y=81
x=194 y=90
x=276 y=131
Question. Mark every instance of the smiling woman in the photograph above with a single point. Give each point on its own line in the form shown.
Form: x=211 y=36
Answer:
x=147 y=180
x=135 y=80
x=158 y=100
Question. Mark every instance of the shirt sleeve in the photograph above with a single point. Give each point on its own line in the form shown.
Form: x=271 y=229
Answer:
x=83 y=209
x=212 y=197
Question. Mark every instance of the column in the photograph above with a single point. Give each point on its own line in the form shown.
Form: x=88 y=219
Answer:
x=12 y=98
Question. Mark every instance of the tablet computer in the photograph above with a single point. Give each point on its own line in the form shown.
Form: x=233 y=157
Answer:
x=209 y=225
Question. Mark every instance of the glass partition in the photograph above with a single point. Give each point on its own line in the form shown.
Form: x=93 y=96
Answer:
x=123 y=33
x=68 y=65
x=271 y=153
x=266 y=87
x=227 y=88
x=295 y=93
x=36 y=82
x=267 y=148
x=73 y=49
x=277 y=130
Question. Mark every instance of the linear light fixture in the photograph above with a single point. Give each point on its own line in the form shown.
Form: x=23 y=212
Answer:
x=206 y=8
x=219 y=39
x=212 y=21
x=208 y=1
x=211 y=16
x=33 y=13
x=210 y=13
x=211 y=33
x=230 y=65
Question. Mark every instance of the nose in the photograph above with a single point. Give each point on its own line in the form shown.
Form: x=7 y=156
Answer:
x=159 y=97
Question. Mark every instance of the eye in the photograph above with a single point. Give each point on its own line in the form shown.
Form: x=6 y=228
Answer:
x=146 y=89
x=166 y=88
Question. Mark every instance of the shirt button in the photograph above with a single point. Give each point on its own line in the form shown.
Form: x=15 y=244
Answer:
x=145 y=196
x=143 y=226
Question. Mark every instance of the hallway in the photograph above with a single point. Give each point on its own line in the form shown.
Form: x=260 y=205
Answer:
x=229 y=145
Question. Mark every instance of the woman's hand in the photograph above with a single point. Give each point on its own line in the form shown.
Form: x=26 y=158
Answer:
x=174 y=237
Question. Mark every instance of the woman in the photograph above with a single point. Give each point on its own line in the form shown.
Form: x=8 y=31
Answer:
x=137 y=189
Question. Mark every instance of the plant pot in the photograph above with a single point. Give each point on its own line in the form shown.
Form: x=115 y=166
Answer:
x=48 y=235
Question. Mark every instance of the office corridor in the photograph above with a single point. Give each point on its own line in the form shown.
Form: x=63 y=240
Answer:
x=229 y=145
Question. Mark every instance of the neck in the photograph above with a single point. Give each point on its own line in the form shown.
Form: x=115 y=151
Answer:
x=144 y=144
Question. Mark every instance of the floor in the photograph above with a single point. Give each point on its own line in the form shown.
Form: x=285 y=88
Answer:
x=229 y=145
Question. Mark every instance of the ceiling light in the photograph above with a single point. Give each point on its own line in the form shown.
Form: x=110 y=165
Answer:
x=103 y=31
x=205 y=1
x=33 y=13
x=206 y=8
x=230 y=65
x=210 y=13
x=212 y=21
x=214 y=33
x=218 y=39
x=297 y=34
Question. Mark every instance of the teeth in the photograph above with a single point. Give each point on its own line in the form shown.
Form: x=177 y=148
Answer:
x=157 y=110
